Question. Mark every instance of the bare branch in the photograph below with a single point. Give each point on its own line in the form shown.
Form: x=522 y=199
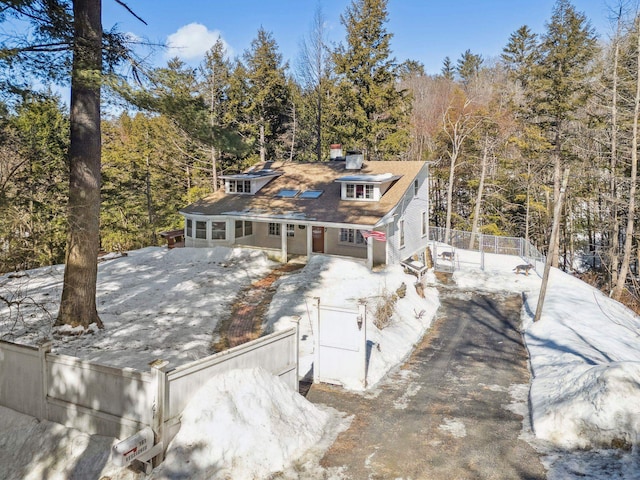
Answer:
x=128 y=9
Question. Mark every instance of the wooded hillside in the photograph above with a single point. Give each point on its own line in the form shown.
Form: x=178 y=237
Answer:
x=499 y=133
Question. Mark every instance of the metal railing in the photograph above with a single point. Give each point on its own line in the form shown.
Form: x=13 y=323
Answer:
x=479 y=242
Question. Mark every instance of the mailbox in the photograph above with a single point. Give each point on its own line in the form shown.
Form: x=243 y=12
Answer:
x=132 y=448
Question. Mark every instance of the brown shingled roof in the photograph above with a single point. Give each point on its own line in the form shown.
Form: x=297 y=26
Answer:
x=328 y=207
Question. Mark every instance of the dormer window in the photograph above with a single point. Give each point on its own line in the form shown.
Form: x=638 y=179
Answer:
x=365 y=187
x=359 y=190
x=239 y=186
x=248 y=183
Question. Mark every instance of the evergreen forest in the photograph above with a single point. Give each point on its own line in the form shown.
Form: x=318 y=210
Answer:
x=499 y=133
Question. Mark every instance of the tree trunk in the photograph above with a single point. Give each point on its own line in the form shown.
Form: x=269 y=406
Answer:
x=452 y=168
x=628 y=240
x=78 y=302
x=555 y=252
x=151 y=214
x=319 y=123
x=293 y=134
x=527 y=210
x=476 y=212
x=615 y=225
x=555 y=229
x=262 y=146
x=214 y=157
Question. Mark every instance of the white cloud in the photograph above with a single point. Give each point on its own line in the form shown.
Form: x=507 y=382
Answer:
x=192 y=41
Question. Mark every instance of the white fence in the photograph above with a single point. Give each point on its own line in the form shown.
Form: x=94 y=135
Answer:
x=340 y=354
x=118 y=402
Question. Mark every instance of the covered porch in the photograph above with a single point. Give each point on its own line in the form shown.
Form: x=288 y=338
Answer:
x=289 y=237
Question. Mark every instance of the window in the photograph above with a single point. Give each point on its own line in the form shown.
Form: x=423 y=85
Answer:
x=350 y=189
x=359 y=190
x=218 y=230
x=274 y=229
x=311 y=194
x=189 y=228
x=352 y=236
x=201 y=229
x=243 y=228
x=239 y=186
x=401 y=228
x=416 y=188
x=291 y=230
x=424 y=224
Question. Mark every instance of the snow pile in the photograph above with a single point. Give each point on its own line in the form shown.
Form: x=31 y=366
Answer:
x=244 y=424
x=585 y=358
x=32 y=449
x=343 y=283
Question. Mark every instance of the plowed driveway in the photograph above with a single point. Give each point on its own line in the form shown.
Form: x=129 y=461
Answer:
x=444 y=414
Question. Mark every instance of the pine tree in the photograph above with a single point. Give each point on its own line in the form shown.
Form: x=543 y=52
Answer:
x=559 y=84
x=66 y=41
x=143 y=156
x=372 y=111
x=468 y=67
x=267 y=94
x=520 y=55
x=448 y=71
x=314 y=78
x=216 y=70
x=44 y=128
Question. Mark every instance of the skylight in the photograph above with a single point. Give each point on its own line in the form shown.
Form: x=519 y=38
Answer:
x=285 y=193
x=311 y=194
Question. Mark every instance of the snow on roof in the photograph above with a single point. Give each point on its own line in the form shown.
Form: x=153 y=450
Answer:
x=379 y=178
x=267 y=172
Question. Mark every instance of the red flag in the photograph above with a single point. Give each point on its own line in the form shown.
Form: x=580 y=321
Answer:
x=375 y=234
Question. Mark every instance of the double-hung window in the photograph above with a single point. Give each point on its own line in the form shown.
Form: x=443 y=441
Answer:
x=351 y=236
x=218 y=230
x=201 y=229
x=243 y=228
x=274 y=229
x=359 y=190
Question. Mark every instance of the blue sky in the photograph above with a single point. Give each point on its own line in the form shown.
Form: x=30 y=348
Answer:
x=424 y=30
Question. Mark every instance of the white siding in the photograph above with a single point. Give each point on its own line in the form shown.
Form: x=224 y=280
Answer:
x=410 y=210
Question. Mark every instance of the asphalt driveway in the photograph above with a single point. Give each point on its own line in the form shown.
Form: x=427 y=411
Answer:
x=444 y=414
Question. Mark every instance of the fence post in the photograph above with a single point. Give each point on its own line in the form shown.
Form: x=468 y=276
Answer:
x=481 y=247
x=159 y=370
x=296 y=320
x=43 y=349
x=316 y=350
x=362 y=323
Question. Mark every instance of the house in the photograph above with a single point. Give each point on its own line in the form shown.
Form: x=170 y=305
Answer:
x=375 y=211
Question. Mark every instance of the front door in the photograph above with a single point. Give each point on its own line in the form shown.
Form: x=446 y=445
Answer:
x=317 y=233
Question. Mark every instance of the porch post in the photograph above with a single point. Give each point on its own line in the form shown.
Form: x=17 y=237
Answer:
x=283 y=242
x=231 y=231
x=309 y=241
x=370 y=253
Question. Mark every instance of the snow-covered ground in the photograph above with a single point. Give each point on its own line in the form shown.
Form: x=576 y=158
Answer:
x=585 y=362
x=585 y=358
